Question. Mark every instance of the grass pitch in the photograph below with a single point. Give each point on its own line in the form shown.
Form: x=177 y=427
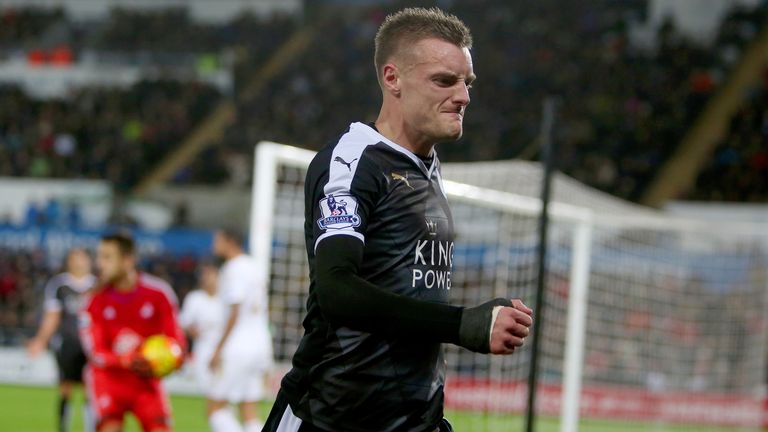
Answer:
x=32 y=409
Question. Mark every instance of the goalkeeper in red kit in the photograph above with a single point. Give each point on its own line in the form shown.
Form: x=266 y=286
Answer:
x=126 y=308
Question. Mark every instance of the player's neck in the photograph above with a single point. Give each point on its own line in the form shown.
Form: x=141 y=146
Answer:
x=391 y=124
x=127 y=283
x=233 y=254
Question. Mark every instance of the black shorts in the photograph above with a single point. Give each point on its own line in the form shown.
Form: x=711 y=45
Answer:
x=71 y=360
x=282 y=418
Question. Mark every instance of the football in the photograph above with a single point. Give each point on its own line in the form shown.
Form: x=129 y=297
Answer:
x=163 y=354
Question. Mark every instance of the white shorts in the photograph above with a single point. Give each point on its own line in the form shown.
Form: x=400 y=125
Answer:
x=241 y=378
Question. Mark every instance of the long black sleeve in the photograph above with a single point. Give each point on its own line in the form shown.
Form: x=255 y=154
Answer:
x=348 y=300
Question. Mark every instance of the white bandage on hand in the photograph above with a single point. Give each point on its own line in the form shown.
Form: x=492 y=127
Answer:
x=494 y=314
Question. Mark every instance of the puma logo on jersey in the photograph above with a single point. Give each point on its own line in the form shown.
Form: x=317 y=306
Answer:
x=343 y=162
x=404 y=179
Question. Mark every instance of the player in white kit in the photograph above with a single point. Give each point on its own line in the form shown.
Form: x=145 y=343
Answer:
x=243 y=355
x=202 y=318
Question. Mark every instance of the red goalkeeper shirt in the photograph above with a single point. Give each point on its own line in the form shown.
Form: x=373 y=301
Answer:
x=113 y=324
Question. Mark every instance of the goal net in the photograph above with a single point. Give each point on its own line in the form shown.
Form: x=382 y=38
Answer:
x=649 y=319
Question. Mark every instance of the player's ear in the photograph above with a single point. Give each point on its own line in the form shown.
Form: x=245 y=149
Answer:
x=390 y=79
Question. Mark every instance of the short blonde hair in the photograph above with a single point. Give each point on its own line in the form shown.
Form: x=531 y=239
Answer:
x=408 y=26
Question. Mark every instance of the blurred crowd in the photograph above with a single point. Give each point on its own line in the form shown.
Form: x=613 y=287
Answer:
x=22 y=27
x=658 y=338
x=119 y=134
x=22 y=278
x=136 y=30
x=98 y=133
x=622 y=111
x=738 y=171
x=52 y=213
x=623 y=107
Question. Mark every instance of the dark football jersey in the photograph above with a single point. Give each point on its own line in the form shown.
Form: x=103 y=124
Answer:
x=65 y=293
x=369 y=188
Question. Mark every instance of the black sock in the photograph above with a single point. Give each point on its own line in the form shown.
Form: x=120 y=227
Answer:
x=63 y=413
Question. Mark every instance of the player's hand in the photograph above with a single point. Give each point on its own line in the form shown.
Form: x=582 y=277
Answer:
x=497 y=326
x=35 y=347
x=215 y=362
x=193 y=331
x=510 y=327
x=139 y=365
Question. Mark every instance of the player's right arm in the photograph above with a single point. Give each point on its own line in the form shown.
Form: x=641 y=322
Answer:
x=51 y=319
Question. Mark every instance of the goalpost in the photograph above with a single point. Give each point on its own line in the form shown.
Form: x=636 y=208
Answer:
x=650 y=318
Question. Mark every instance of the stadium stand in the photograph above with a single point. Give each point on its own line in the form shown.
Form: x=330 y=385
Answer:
x=22 y=27
x=621 y=114
x=102 y=133
x=738 y=171
x=79 y=136
x=108 y=133
x=22 y=276
x=244 y=42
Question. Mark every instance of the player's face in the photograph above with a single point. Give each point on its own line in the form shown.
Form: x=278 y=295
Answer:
x=78 y=262
x=112 y=265
x=220 y=243
x=435 y=82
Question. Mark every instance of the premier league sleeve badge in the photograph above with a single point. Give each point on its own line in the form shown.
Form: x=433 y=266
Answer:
x=338 y=212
